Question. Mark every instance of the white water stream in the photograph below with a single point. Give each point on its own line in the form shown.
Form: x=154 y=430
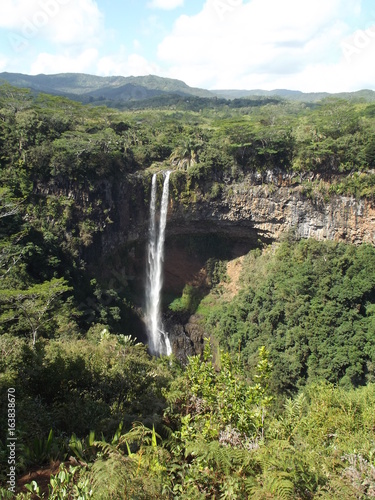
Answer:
x=158 y=339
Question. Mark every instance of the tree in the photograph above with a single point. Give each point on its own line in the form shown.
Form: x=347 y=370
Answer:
x=186 y=153
x=33 y=305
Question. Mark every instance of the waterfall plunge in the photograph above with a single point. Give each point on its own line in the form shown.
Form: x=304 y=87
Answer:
x=158 y=339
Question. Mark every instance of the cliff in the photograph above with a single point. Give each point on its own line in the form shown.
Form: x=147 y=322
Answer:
x=254 y=209
x=267 y=212
x=244 y=212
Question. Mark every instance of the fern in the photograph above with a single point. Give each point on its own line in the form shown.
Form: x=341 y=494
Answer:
x=129 y=467
x=280 y=484
x=276 y=479
x=211 y=453
x=124 y=477
x=286 y=472
x=225 y=468
x=338 y=489
x=287 y=426
x=111 y=477
x=275 y=484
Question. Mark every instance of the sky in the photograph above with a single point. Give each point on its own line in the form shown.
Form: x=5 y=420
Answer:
x=308 y=45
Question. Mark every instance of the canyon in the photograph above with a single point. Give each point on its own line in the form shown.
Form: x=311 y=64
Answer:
x=244 y=214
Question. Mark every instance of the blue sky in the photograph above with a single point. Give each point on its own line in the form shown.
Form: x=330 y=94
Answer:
x=310 y=45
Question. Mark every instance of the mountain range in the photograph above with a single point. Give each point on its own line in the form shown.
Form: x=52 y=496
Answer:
x=119 y=90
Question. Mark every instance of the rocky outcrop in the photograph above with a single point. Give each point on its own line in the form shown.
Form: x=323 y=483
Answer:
x=266 y=212
x=186 y=336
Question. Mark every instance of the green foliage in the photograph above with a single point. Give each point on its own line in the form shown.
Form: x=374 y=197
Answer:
x=63 y=143
x=98 y=382
x=32 y=308
x=131 y=468
x=360 y=185
x=189 y=301
x=336 y=417
x=311 y=303
x=84 y=449
x=224 y=398
x=216 y=271
x=6 y=494
x=70 y=483
x=218 y=417
x=322 y=452
x=286 y=472
x=42 y=450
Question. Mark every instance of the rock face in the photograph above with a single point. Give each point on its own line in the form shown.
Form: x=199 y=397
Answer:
x=259 y=207
x=253 y=209
x=266 y=212
x=186 y=336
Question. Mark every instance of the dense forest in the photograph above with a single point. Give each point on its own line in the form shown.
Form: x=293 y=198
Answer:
x=281 y=401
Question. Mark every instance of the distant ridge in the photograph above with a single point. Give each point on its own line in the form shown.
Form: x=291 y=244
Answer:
x=109 y=87
x=295 y=95
x=116 y=91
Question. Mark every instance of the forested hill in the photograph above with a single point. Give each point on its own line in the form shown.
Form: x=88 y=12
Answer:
x=296 y=95
x=155 y=91
x=90 y=88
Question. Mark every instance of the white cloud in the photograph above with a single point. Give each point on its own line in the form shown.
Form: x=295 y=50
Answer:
x=263 y=43
x=65 y=22
x=351 y=71
x=13 y=11
x=64 y=63
x=79 y=23
x=166 y=4
x=125 y=64
x=90 y=61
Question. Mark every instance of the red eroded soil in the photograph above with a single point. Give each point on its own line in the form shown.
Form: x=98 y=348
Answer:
x=41 y=475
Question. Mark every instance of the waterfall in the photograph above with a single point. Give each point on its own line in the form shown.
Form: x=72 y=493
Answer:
x=158 y=339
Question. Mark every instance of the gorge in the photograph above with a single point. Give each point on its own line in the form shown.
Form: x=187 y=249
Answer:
x=244 y=215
